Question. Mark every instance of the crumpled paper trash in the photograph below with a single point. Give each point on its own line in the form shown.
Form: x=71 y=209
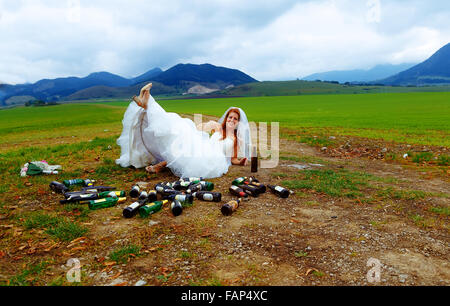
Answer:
x=38 y=167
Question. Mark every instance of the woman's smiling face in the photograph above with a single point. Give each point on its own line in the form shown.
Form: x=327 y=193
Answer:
x=232 y=120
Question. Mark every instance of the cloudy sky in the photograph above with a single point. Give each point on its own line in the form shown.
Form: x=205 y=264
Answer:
x=269 y=40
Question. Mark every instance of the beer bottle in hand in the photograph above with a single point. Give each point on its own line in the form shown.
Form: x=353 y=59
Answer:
x=229 y=207
x=280 y=191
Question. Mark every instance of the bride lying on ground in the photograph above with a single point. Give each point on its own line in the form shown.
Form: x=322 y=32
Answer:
x=155 y=139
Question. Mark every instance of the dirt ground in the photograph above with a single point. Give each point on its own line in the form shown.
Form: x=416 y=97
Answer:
x=310 y=238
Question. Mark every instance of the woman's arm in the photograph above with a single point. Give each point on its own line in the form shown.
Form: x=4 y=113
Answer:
x=211 y=125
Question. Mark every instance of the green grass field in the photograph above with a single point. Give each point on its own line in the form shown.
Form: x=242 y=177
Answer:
x=415 y=118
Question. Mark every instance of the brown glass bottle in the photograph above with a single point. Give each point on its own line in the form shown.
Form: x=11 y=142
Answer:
x=254 y=162
x=228 y=208
x=237 y=191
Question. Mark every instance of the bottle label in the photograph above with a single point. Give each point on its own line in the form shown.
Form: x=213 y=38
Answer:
x=180 y=197
x=279 y=188
x=114 y=194
x=233 y=204
x=134 y=205
x=99 y=201
x=208 y=197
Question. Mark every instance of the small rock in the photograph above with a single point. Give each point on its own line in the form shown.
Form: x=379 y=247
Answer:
x=151 y=222
x=323 y=149
x=332 y=137
x=116 y=281
x=402 y=278
x=140 y=283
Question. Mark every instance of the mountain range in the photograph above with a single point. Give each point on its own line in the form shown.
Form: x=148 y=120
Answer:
x=433 y=71
x=206 y=78
x=176 y=80
x=359 y=75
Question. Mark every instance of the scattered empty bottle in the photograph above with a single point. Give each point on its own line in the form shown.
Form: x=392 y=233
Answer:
x=184 y=199
x=135 y=191
x=228 y=208
x=208 y=196
x=151 y=208
x=237 y=191
x=176 y=208
x=131 y=210
x=250 y=189
x=58 y=187
x=280 y=191
x=106 y=202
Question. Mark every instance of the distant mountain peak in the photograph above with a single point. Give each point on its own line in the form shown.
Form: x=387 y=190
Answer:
x=433 y=71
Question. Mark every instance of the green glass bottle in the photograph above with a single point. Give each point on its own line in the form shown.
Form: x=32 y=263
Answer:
x=207 y=185
x=151 y=208
x=111 y=194
x=105 y=202
x=239 y=181
x=79 y=182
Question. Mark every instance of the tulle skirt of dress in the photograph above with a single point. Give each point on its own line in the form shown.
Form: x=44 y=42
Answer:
x=153 y=135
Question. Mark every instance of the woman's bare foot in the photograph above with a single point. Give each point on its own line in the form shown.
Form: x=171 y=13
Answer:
x=142 y=100
x=156 y=168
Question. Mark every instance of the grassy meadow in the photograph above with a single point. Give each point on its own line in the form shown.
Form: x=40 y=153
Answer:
x=414 y=118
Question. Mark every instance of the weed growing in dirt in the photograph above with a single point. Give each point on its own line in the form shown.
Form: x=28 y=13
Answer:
x=422 y=157
x=67 y=231
x=29 y=276
x=392 y=193
x=443 y=160
x=40 y=220
x=121 y=255
x=336 y=184
x=441 y=210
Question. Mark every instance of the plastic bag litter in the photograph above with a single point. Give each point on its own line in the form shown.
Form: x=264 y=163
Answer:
x=38 y=167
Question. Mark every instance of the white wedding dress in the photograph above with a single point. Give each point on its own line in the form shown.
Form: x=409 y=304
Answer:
x=154 y=135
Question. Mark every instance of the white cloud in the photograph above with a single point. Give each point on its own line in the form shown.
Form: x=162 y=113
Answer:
x=267 y=39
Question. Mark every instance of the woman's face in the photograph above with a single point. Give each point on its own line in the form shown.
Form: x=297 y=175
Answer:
x=232 y=120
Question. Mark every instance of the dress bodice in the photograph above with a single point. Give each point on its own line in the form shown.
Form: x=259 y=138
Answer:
x=226 y=144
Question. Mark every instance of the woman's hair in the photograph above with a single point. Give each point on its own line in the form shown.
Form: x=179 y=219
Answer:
x=224 y=129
